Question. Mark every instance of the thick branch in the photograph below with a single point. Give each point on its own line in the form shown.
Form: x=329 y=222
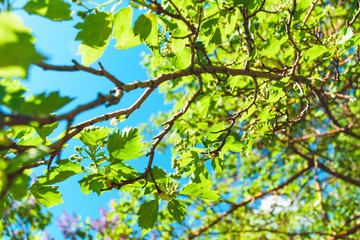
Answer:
x=152 y=83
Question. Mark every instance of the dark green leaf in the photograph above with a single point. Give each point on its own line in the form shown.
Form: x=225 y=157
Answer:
x=42 y=104
x=92 y=183
x=177 y=209
x=159 y=175
x=19 y=187
x=11 y=94
x=216 y=39
x=46 y=130
x=148 y=213
x=120 y=170
x=95 y=30
x=30 y=156
x=142 y=27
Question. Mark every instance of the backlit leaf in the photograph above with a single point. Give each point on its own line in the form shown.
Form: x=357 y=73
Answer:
x=16 y=43
x=200 y=190
x=42 y=104
x=94 y=136
x=59 y=173
x=126 y=145
x=46 y=195
x=95 y=30
x=55 y=10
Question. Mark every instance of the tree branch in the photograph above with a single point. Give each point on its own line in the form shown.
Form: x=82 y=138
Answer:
x=79 y=67
x=250 y=199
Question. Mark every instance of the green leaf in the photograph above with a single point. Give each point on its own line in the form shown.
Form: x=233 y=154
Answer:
x=159 y=175
x=178 y=44
x=232 y=19
x=95 y=36
x=11 y=94
x=153 y=38
x=30 y=156
x=94 y=136
x=207 y=30
x=248 y=113
x=120 y=170
x=16 y=43
x=123 y=32
x=216 y=38
x=314 y=53
x=201 y=175
x=22 y=131
x=177 y=209
x=56 y=10
x=91 y=54
x=42 y=104
x=46 y=195
x=233 y=145
x=95 y=30
x=65 y=170
x=263 y=116
x=92 y=183
x=2 y=203
x=46 y=130
x=127 y=145
x=348 y=33
x=218 y=163
x=142 y=27
x=182 y=59
x=19 y=187
x=30 y=141
x=252 y=6
x=200 y=190
x=148 y=213
x=215 y=131
x=272 y=47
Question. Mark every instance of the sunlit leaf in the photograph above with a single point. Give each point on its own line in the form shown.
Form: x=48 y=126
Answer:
x=200 y=190
x=55 y=10
x=46 y=195
x=125 y=145
x=16 y=43
x=59 y=173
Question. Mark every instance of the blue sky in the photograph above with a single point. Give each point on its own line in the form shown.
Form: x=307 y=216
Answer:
x=55 y=40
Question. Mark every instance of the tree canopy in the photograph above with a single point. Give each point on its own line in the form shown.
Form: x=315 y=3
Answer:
x=264 y=130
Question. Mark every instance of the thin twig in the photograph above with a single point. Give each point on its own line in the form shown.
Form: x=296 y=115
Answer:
x=246 y=201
